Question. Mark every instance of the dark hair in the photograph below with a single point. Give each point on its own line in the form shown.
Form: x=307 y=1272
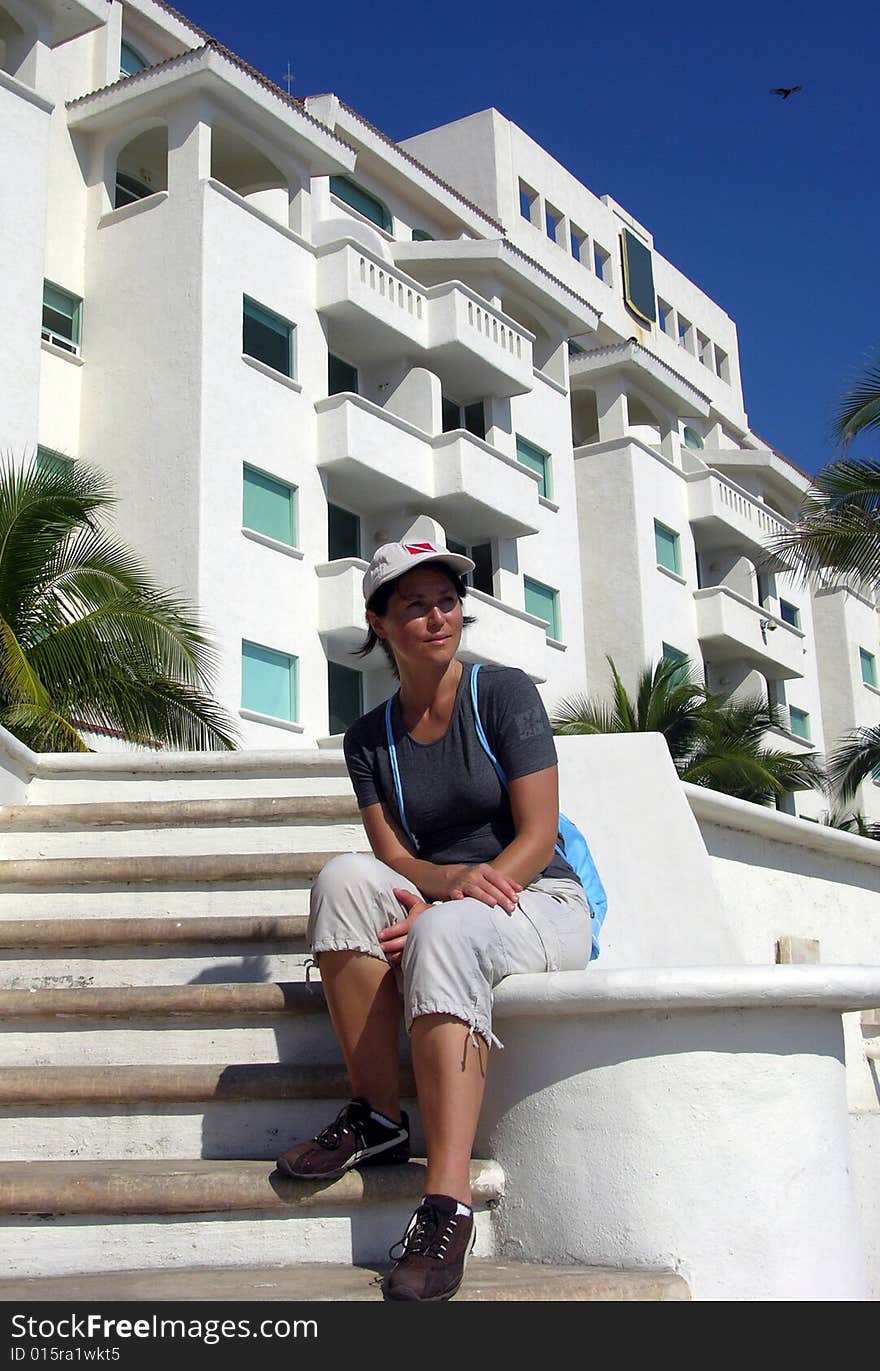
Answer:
x=378 y=604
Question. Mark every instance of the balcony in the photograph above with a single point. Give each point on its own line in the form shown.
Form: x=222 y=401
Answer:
x=502 y=636
x=723 y=515
x=731 y=628
x=475 y=349
x=379 y=461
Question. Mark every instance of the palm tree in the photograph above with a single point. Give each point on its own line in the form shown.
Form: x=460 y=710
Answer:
x=856 y=757
x=859 y=407
x=86 y=639
x=714 y=742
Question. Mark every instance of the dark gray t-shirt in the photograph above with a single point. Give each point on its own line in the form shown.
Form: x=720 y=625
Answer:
x=456 y=806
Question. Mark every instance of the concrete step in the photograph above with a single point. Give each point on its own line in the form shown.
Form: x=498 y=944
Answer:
x=111 y=952
x=485 y=1280
x=193 y=868
x=235 y=810
x=56 y=1219
x=184 y=840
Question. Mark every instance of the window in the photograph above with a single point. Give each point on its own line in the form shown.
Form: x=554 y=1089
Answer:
x=602 y=263
x=341 y=376
x=868 y=664
x=679 y=659
x=130 y=60
x=370 y=206
x=528 y=202
x=482 y=555
x=664 y=316
x=345 y=689
x=422 y=236
x=269 y=507
x=268 y=338
x=543 y=602
x=722 y=364
x=704 y=350
x=579 y=243
x=129 y=189
x=692 y=438
x=469 y=417
x=685 y=333
x=799 y=721
x=62 y=314
x=789 y=613
x=668 y=547
x=52 y=463
x=552 y=222
x=268 y=682
x=536 y=459
x=343 y=533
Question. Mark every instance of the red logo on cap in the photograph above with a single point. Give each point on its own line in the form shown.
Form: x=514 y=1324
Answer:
x=415 y=548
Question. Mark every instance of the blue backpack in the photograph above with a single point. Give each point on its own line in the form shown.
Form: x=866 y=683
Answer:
x=573 y=847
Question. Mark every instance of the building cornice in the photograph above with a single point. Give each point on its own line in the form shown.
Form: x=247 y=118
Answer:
x=646 y=364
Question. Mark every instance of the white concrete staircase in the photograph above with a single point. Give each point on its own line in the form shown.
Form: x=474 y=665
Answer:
x=162 y=1039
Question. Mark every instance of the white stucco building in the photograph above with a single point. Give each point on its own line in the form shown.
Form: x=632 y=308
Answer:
x=285 y=338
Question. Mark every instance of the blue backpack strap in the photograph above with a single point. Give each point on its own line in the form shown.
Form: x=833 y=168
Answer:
x=395 y=772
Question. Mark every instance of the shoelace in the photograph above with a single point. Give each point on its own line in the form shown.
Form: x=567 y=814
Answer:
x=329 y=1137
x=426 y=1236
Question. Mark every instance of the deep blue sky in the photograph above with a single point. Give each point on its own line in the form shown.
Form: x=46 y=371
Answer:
x=772 y=207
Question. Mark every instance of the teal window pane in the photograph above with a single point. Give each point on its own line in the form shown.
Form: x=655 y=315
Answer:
x=692 y=439
x=130 y=60
x=129 y=189
x=269 y=507
x=53 y=463
x=61 y=316
x=667 y=544
x=343 y=533
x=267 y=337
x=268 y=682
x=789 y=613
x=422 y=236
x=800 y=722
x=677 y=658
x=346 y=696
x=543 y=602
x=638 y=277
x=536 y=460
x=341 y=376
x=370 y=206
x=868 y=663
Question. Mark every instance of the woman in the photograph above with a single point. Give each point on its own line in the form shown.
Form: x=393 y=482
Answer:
x=463 y=888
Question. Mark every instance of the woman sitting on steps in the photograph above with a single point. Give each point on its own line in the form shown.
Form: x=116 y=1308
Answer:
x=464 y=887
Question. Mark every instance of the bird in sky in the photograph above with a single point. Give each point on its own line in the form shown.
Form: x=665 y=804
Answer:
x=785 y=91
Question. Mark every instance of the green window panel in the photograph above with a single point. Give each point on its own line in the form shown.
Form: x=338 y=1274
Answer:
x=638 y=276
x=345 y=689
x=52 y=463
x=268 y=337
x=668 y=547
x=62 y=314
x=422 y=236
x=130 y=60
x=799 y=721
x=868 y=664
x=343 y=533
x=129 y=189
x=692 y=439
x=678 y=659
x=543 y=602
x=268 y=682
x=269 y=506
x=789 y=613
x=370 y=206
x=537 y=460
x=342 y=377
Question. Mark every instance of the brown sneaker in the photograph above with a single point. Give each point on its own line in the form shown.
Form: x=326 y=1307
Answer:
x=356 y=1137
x=434 y=1252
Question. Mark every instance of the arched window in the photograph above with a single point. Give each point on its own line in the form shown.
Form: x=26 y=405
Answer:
x=422 y=236
x=130 y=60
x=692 y=439
x=370 y=206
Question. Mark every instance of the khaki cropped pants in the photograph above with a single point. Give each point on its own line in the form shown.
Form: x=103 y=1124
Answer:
x=457 y=951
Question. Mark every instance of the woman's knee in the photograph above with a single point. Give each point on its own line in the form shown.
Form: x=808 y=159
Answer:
x=346 y=906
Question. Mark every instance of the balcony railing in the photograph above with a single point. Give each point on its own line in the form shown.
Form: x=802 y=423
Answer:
x=476 y=349
x=725 y=515
x=730 y=628
x=380 y=460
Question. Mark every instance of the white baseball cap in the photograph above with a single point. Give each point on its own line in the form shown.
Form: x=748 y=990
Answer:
x=395 y=559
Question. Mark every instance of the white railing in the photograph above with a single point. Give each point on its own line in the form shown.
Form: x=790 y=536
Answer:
x=388 y=286
x=747 y=507
x=491 y=327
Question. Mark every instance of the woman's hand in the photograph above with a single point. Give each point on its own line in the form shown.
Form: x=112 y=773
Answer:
x=483 y=882
x=393 y=938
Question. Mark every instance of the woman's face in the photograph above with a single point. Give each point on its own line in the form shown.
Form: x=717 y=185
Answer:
x=423 y=619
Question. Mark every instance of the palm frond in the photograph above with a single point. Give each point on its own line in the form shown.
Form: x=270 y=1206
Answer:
x=859 y=407
x=856 y=757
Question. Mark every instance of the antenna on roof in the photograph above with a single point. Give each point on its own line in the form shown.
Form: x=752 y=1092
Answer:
x=288 y=78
